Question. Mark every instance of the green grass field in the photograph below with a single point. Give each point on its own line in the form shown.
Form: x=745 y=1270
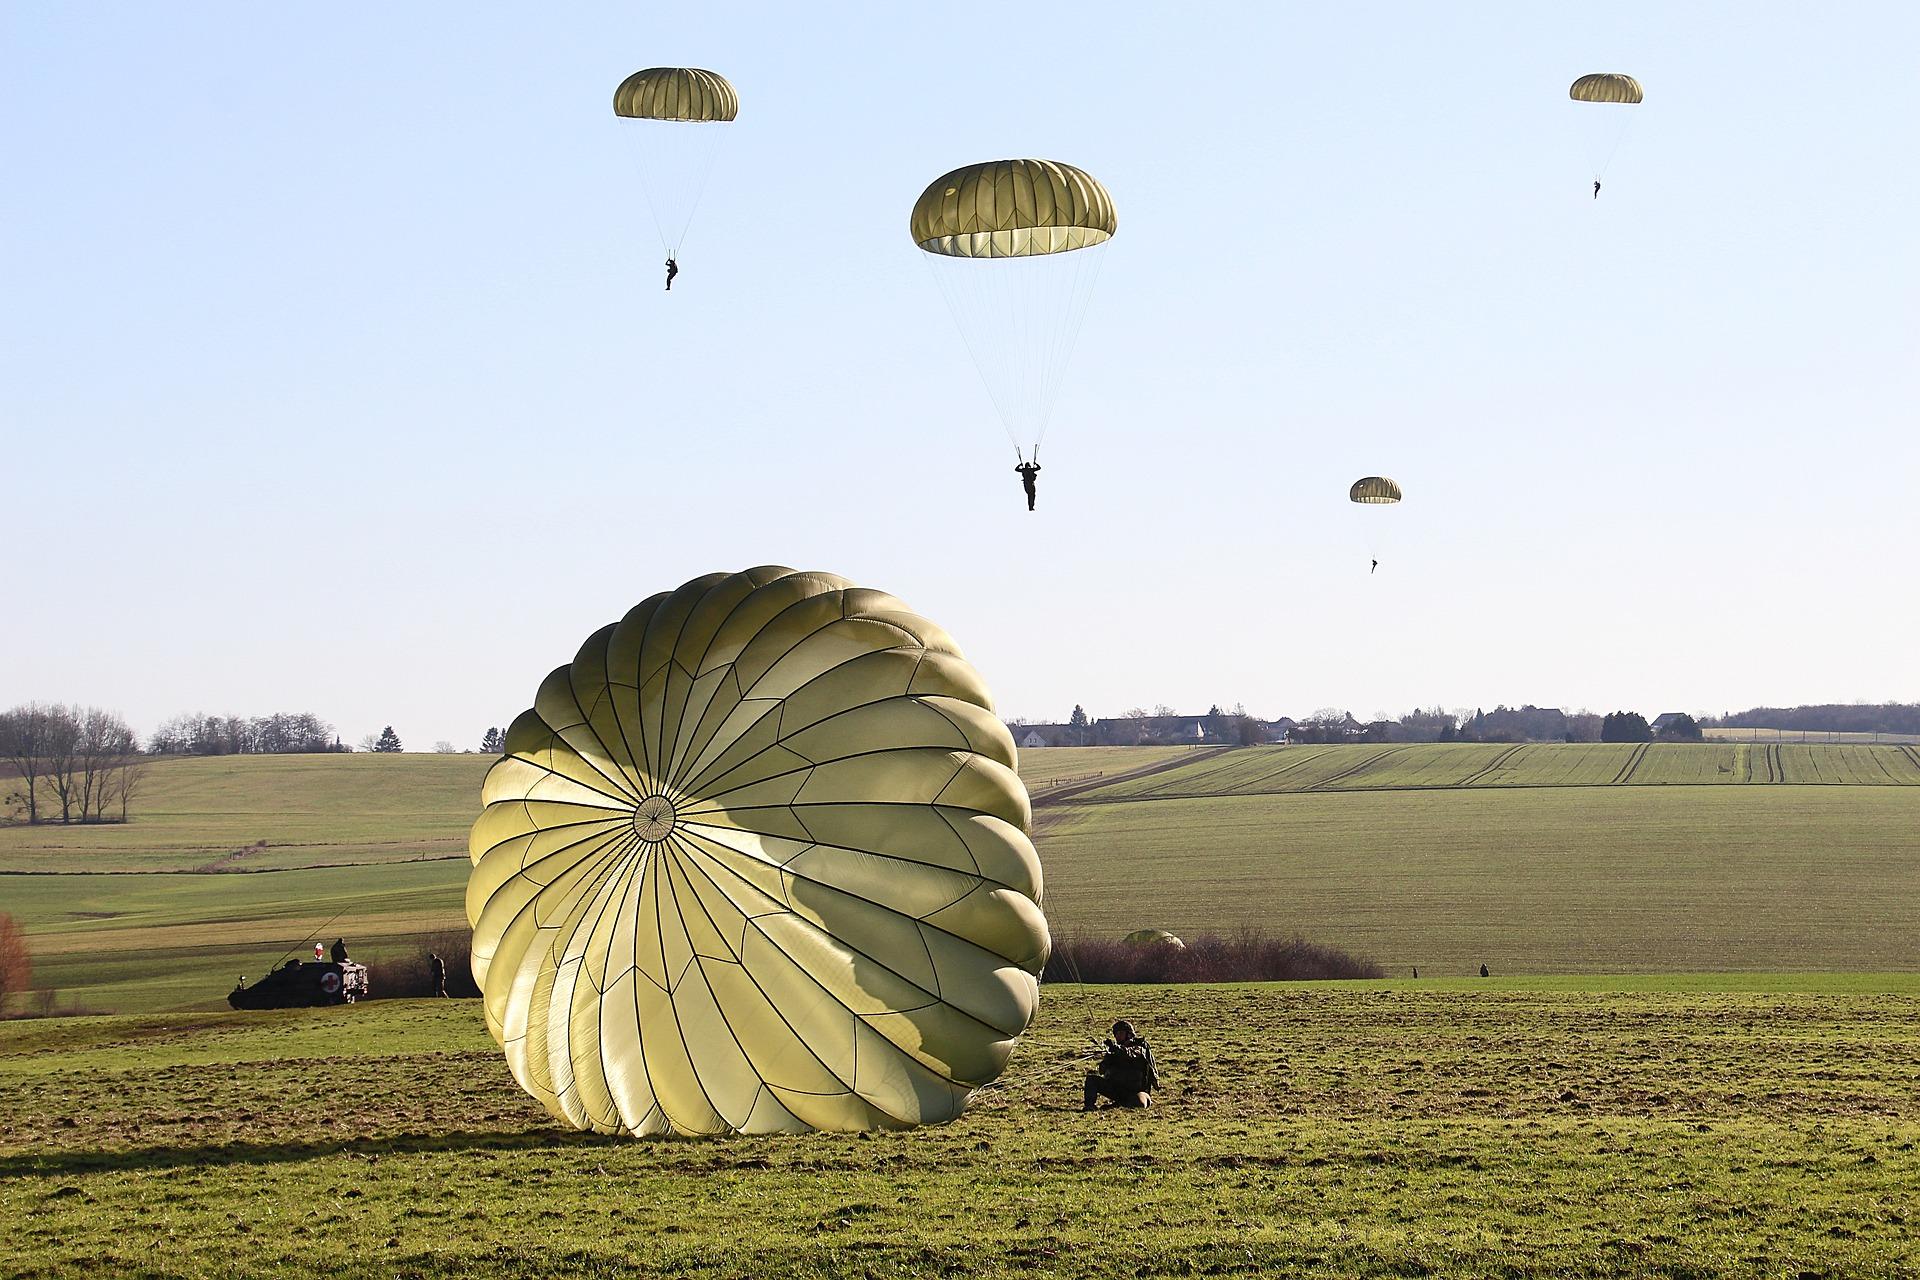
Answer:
x=1804 y=735
x=1537 y=859
x=1658 y=1127
x=1447 y=766
x=216 y=812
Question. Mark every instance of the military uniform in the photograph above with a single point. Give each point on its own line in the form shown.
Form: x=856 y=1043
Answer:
x=1126 y=1077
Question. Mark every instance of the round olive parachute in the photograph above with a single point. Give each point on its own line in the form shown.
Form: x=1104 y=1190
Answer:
x=1016 y=247
x=1012 y=209
x=685 y=94
x=1153 y=938
x=757 y=861
x=1605 y=86
x=1374 y=490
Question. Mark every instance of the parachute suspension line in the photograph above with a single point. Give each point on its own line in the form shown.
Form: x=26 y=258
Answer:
x=947 y=276
x=317 y=931
x=712 y=152
x=1619 y=136
x=1020 y=319
x=1601 y=129
x=1086 y=264
x=673 y=160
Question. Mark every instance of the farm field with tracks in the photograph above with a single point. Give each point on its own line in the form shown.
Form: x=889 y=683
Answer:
x=1543 y=858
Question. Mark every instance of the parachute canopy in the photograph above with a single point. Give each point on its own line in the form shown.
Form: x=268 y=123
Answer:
x=685 y=94
x=1012 y=209
x=1374 y=490
x=757 y=860
x=1153 y=938
x=656 y=107
x=1016 y=246
x=1605 y=86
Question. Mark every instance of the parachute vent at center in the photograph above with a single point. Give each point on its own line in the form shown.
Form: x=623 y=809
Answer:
x=1012 y=209
x=1374 y=490
x=757 y=861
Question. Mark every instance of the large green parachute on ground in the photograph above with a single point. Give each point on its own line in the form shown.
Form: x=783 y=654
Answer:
x=757 y=860
x=670 y=116
x=1016 y=246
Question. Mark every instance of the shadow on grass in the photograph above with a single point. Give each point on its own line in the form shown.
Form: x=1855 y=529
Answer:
x=218 y=1155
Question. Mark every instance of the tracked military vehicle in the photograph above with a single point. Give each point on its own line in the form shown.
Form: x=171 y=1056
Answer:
x=297 y=985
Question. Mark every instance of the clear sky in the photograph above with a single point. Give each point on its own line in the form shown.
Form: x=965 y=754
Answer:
x=335 y=372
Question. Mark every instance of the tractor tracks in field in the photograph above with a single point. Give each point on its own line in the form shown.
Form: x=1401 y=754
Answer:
x=1634 y=758
x=1493 y=764
x=1046 y=803
x=1366 y=762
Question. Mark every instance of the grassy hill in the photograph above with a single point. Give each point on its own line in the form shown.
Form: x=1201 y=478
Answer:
x=1754 y=1127
x=1531 y=859
x=1433 y=765
x=246 y=813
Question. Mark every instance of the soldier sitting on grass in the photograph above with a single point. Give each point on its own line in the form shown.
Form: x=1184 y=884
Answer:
x=1127 y=1075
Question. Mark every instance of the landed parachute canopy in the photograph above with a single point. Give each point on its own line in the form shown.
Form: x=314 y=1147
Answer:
x=1606 y=86
x=1153 y=938
x=1012 y=209
x=676 y=93
x=757 y=861
x=1374 y=489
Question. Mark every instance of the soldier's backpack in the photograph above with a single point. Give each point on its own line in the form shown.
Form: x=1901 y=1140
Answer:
x=1131 y=1066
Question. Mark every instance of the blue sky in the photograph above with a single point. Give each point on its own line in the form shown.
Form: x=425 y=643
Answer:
x=335 y=373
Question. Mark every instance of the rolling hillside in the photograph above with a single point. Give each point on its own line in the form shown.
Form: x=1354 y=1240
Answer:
x=1532 y=859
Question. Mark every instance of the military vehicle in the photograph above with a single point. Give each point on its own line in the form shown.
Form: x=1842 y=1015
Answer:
x=297 y=985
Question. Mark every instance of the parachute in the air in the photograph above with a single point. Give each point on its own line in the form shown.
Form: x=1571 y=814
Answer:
x=1597 y=101
x=757 y=861
x=1373 y=491
x=1153 y=938
x=672 y=118
x=1016 y=246
x=1370 y=494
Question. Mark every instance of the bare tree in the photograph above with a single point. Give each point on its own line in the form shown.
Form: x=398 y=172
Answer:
x=105 y=746
x=23 y=744
x=63 y=756
x=123 y=781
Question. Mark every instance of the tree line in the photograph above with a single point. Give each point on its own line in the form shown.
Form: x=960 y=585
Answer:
x=82 y=763
x=1828 y=717
x=196 y=733
x=1236 y=727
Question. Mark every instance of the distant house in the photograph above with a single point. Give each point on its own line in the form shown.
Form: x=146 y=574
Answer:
x=1664 y=719
x=1128 y=731
x=1276 y=730
x=1044 y=735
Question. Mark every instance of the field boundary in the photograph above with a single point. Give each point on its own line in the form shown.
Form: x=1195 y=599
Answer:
x=241 y=871
x=1068 y=791
x=1404 y=786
